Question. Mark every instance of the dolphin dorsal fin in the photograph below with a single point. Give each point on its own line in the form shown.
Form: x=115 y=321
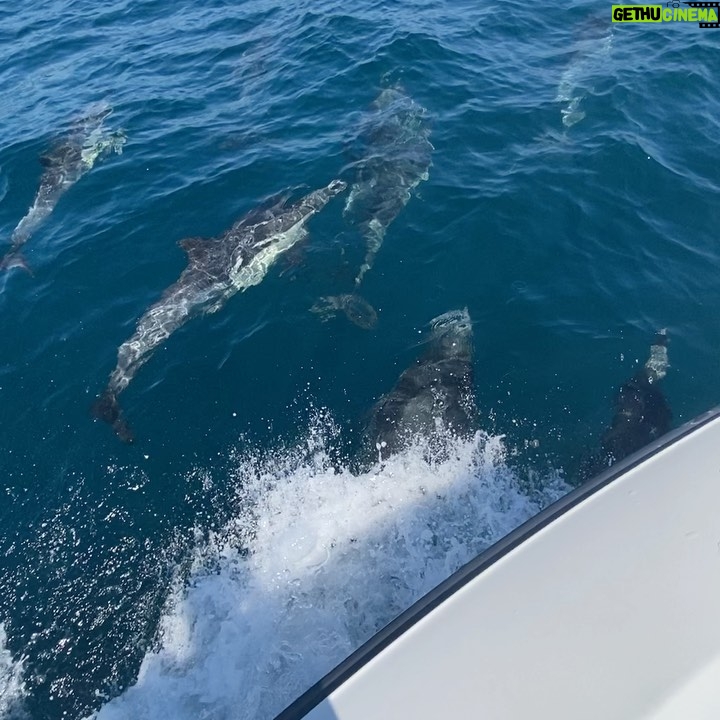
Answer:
x=196 y=248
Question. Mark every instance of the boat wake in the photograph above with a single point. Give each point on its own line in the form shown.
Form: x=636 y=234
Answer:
x=313 y=563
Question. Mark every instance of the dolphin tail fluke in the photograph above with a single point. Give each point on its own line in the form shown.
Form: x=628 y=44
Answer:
x=107 y=409
x=15 y=259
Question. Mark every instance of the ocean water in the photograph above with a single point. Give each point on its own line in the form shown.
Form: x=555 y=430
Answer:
x=235 y=552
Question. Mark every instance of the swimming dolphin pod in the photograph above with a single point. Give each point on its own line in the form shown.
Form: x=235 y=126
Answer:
x=72 y=157
x=395 y=159
x=217 y=269
x=433 y=399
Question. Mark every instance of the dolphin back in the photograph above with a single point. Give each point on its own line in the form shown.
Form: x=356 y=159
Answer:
x=433 y=399
x=319 y=198
x=642 y=412
x=63 y=165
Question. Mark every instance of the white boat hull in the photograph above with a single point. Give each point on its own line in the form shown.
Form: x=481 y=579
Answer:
x=607 y=605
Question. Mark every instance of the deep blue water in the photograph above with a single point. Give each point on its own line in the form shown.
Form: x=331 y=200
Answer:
x=569 y=244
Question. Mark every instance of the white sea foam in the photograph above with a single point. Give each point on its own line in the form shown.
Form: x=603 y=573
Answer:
x=317 y=561
x=12 y=687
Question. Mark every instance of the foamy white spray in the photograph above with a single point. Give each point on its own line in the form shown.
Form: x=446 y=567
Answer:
x=318 y=561
x=12 y=688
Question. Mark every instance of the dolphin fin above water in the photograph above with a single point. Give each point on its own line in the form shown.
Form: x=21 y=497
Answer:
x=217 y=269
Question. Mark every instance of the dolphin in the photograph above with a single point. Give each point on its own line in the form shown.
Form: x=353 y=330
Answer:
x=217 y=269
x=73 y=156
x=396 y=159
x=641 y=412
x=433 y=399
x=590 y=58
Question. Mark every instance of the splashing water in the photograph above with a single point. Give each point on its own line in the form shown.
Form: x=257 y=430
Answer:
x=12 y=688
x=315 y=562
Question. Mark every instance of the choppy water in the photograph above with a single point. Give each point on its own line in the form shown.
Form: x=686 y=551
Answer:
x=571 y=205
